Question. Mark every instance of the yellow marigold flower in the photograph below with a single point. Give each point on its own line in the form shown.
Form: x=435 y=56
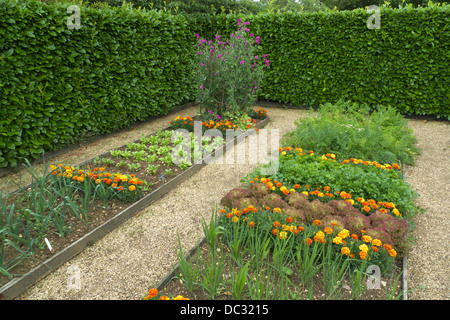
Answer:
x=344 y=233
x=367 y=238
x=292 y=190
x=337 y=240
x=124 y=178
x=396 y=212
x=164 y=298
x=376 y=242
x=235 y=219
x=345 y=250
x=278 y=210
x=363 y=247
x=283 y=235
x=283 y=188
x=132 y=188
x=179 y=297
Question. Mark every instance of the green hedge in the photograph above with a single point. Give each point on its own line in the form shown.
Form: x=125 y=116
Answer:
x=60 y=85
x=324 y=57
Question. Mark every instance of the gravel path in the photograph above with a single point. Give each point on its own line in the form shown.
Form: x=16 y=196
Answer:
x=428 y=264
x=137 y=255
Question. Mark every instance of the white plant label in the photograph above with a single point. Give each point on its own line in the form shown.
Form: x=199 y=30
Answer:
x=48 y=244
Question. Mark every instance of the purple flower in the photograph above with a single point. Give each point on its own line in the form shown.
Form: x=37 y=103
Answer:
x=251 y=34
x=209 y=111
x=201 y=63
x=219 y=55
x=267 y=62
x=265 y=55
x=242 y=62
x=201 y=87
x=256 y=57
x=199 y=52
x=198 y=36
x=257 y=39
x=217 y=37
x=218 y=117
x=232 y=34
x=246 y=22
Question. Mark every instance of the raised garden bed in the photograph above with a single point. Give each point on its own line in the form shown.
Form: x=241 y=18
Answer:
x=45 y=261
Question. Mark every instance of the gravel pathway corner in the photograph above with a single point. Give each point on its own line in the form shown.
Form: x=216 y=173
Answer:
x=136 y=256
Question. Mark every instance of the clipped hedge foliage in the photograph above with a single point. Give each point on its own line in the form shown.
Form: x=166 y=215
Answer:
x=60 y=85
x=323 y=57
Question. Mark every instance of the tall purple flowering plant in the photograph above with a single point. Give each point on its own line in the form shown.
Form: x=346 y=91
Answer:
x=230 y=72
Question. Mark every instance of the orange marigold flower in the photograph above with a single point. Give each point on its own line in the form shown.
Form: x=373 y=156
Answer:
x=223 y=211
x=296 y=186
x=387 y=246
x=275 y=232
x=363 y=255
x=289 y=219
x=301 y=228
x=317 y=222
x=327 y=188
x=132 y=188
x=285 y=192
x=393 y=253
x=328 y=230
x=345 y=250
x=153 y=292
x=374 y=249
x=354 y=236
x=308 y=241
x=367 y=238
x=120 y=188
x=229 y=214
x=276 y=224
x=278 y=210
x=366 y=208
x=251 y=224
x=279 y=184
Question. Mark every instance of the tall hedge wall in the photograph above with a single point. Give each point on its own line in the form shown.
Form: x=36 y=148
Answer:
x=326 y=56
x=59 y=85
